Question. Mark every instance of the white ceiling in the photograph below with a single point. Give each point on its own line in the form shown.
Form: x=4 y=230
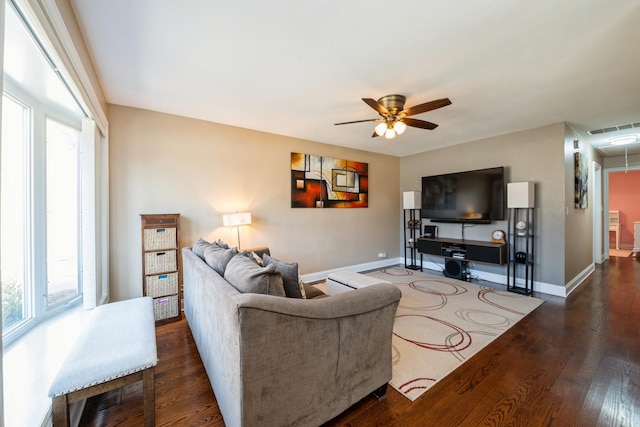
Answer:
x=295 y=67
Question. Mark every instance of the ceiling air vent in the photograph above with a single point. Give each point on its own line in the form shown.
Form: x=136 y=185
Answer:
x=614 y=128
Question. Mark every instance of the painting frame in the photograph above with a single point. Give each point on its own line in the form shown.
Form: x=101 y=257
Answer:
x=581 y=174
x=327 y=182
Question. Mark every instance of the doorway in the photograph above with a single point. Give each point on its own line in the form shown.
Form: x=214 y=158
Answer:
x=616 y=197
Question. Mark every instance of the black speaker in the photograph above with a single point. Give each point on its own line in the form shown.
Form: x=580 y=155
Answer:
x=453 y=268
x=521 y=257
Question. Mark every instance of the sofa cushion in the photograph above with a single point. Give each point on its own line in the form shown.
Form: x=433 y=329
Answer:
x=199 y=247
x=222 y=244
x=218 y=258
x=247 y=276
x=289 y=272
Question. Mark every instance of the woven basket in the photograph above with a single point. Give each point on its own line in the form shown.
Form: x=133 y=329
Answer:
x=159 y=238
x=165 y=307
x=162 y=284
x=160 y=262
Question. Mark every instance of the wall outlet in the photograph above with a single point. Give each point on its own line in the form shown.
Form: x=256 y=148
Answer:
x=382 y=254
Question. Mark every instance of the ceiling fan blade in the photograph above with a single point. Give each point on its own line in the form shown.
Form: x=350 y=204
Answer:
x=376 y=106
x=358 y=121
x=423 y=108
x=419 y=123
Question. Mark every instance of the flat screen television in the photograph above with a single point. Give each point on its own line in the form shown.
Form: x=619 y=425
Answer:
x=476 y=196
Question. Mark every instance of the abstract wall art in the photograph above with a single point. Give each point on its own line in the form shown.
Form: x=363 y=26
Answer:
x=325 y=182
x=581 y=181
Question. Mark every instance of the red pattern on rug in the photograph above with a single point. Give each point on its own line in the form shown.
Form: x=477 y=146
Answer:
x=442 y=322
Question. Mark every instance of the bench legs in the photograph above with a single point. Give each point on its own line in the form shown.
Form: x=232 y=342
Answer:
x=60 y=411
x=149 y=392
x=61 y=403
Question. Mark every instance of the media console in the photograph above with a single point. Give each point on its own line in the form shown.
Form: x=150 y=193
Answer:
x=458 y=252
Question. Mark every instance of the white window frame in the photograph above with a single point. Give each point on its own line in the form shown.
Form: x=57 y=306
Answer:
x=36 y=307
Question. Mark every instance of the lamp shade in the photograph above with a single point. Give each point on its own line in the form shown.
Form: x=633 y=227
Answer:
x=390 y=133
x=381 y=128
x=520 y=195
x=411 y=200
x=236 y=219
x=399 y=127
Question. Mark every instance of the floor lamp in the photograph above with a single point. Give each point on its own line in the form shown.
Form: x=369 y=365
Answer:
x=236 y=220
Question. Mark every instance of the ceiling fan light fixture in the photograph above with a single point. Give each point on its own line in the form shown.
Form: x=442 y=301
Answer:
x=399 y=127
x=380 y=129
x=390 y=133
x=394 y=118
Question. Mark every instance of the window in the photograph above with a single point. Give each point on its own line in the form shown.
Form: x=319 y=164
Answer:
x=40 y=189
x=62 y=212
x=14 y=208
x=40 y=213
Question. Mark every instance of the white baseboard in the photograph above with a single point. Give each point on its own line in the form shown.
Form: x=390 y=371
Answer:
x=579 y=279
x=542 y=287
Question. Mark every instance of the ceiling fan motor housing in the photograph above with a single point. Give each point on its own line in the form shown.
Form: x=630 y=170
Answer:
x=393 y=103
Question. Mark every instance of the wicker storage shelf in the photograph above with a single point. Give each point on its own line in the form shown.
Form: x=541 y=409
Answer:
x=160 y=262
x=165 y=307
x=159 y=238
x=162 y=284
x=161 y=273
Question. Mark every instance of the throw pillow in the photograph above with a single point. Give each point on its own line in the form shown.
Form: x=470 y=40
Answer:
x=247 y=276
x=222 y=244
x=199 y=247
x=257 y=258
x=218 y=258
x=252 y=255
x=289 y=272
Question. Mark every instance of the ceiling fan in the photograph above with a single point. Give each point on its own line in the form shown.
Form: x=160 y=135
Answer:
x=395 y=118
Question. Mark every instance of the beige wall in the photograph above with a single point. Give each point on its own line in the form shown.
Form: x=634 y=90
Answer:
x=535 y=155
x=578 y=234
x=168 y=164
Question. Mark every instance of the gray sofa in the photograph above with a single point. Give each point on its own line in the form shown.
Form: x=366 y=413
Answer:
x=282 y=361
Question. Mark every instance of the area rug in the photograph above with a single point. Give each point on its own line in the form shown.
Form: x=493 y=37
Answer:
x=623 y=253
x=442 y=322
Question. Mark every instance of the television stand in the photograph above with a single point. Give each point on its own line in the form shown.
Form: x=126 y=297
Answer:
x=458 y=252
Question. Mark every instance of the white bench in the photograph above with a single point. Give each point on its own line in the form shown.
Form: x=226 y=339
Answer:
x=116 y=347
x=345 y=280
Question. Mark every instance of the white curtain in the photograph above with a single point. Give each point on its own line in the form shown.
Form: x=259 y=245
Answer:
x=95 y=220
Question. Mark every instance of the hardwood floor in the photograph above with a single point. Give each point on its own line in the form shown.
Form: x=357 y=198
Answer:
x=572 y=362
